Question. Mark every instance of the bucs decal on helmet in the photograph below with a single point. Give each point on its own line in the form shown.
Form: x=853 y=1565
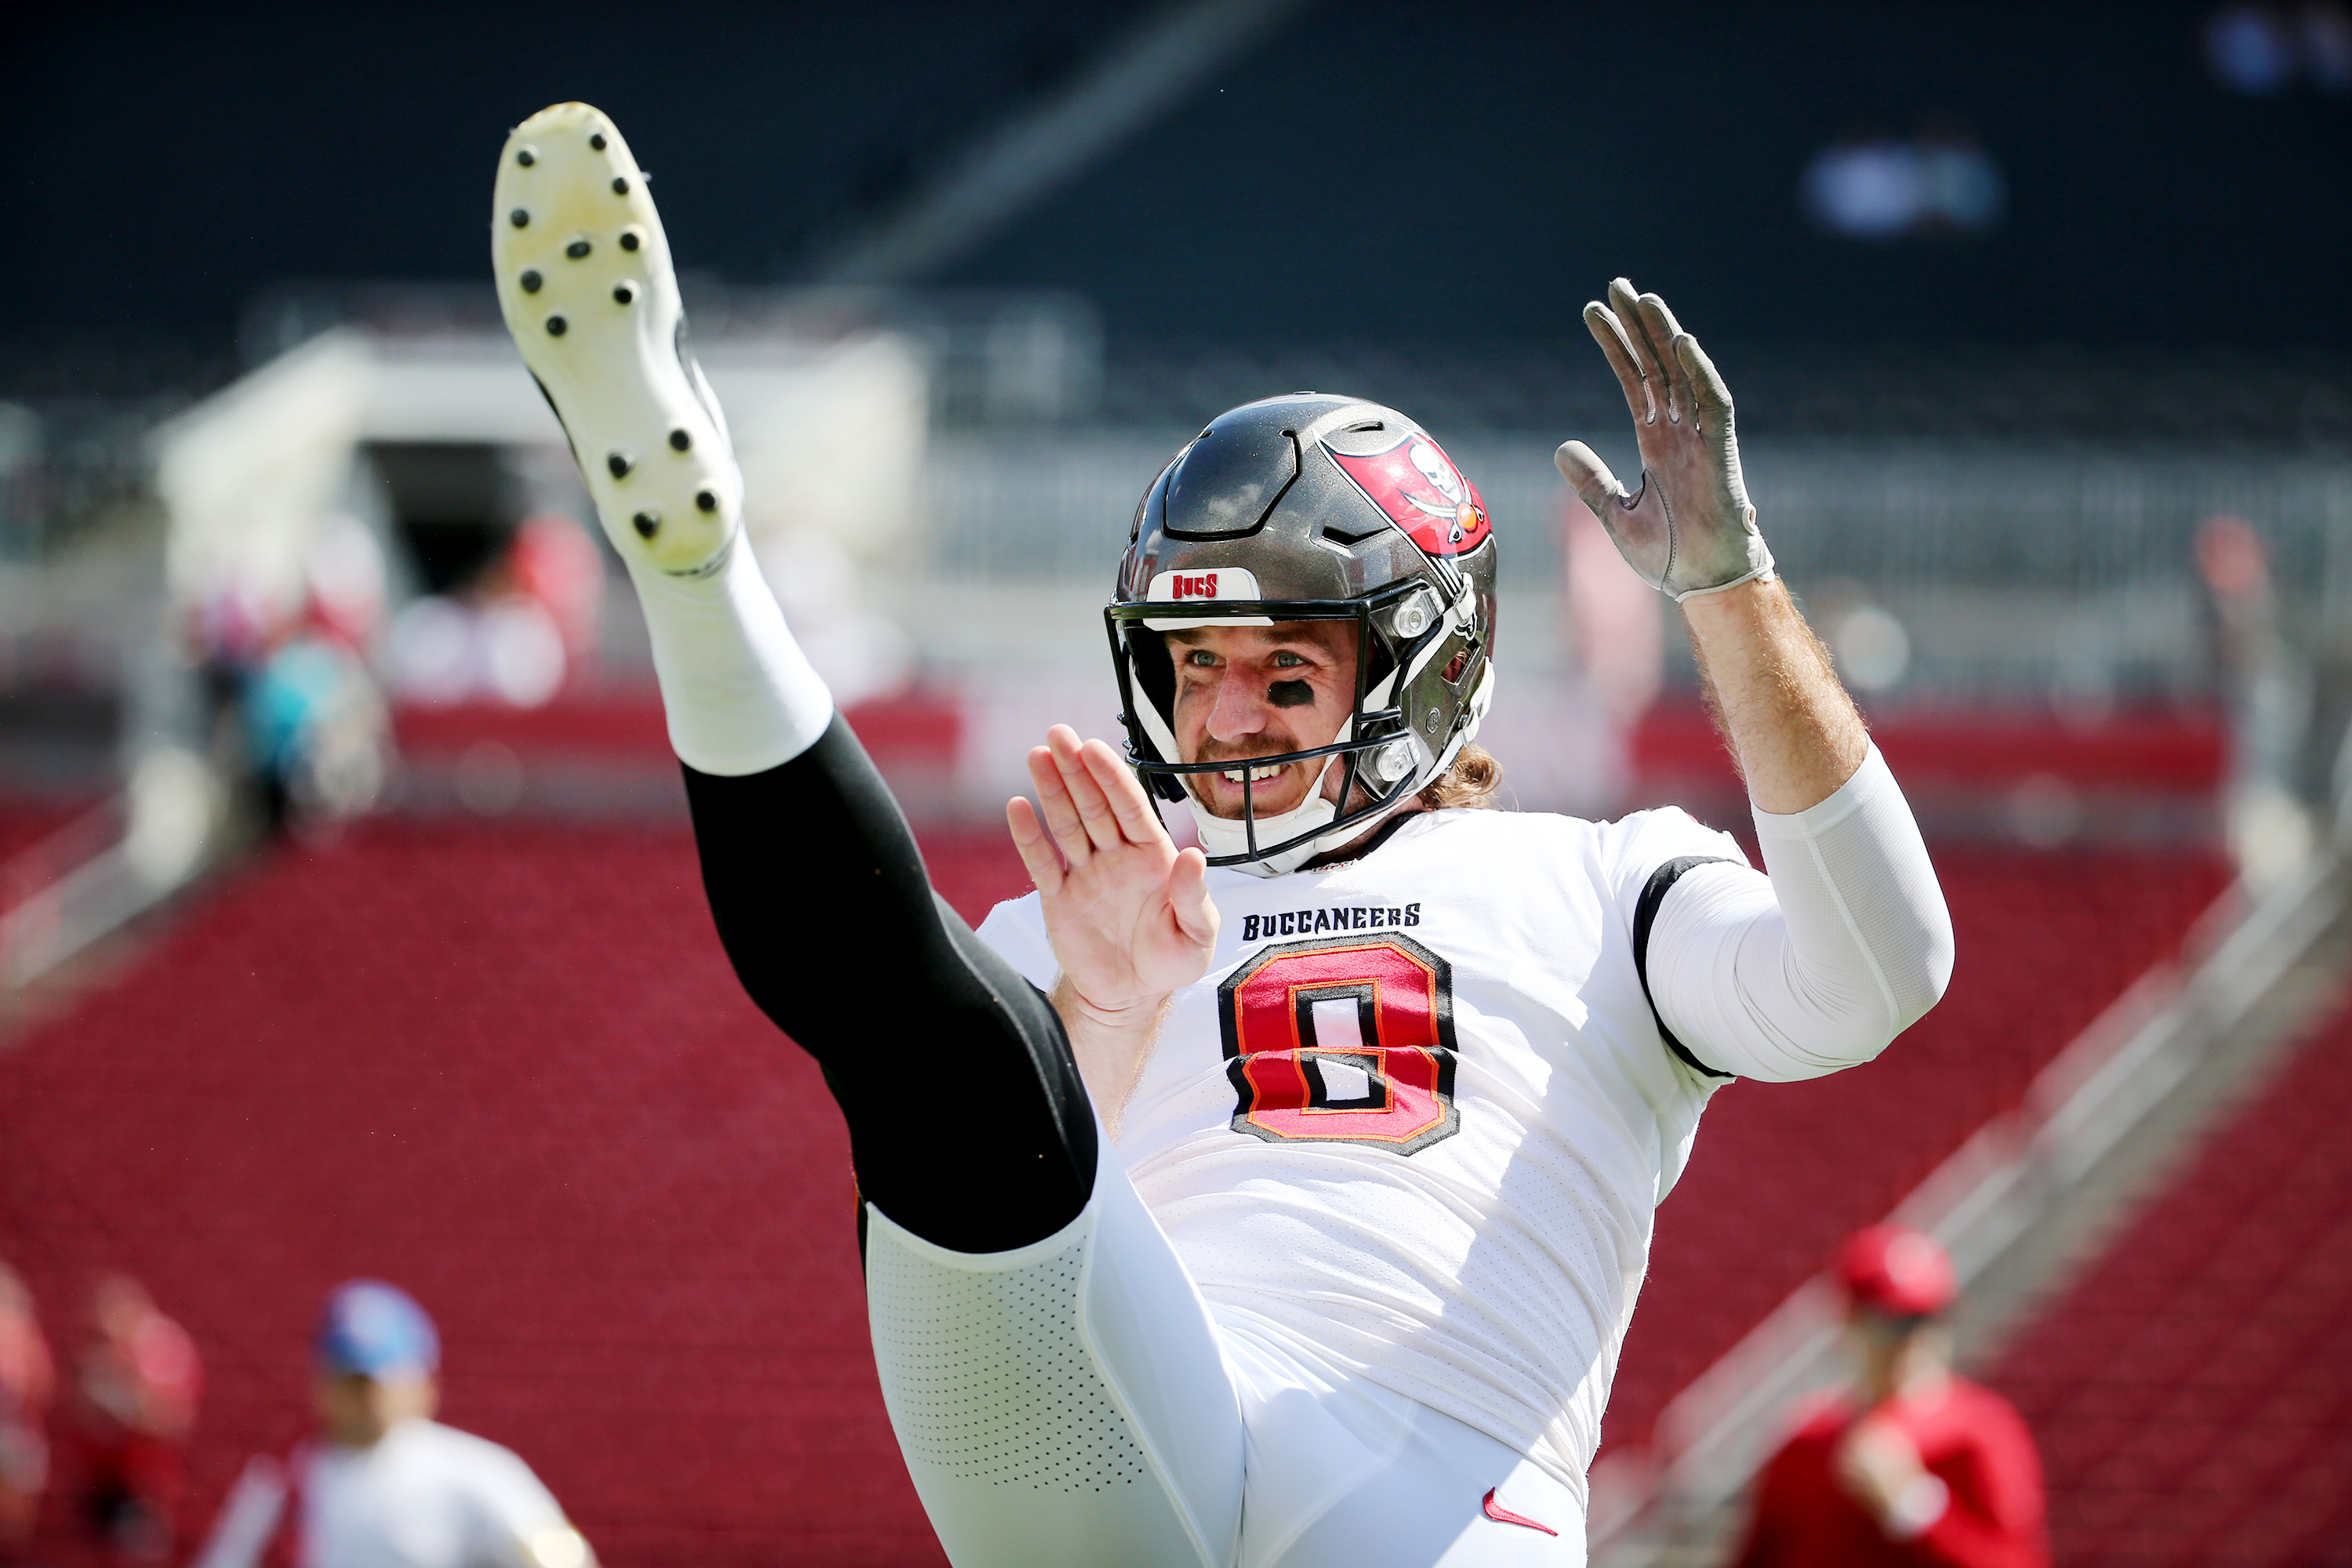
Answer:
x=1422 y=493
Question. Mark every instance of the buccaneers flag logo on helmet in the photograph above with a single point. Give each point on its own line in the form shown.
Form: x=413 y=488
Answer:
x=1422 y=493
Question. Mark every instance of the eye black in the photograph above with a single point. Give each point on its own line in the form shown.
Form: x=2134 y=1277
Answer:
x=1290 y=694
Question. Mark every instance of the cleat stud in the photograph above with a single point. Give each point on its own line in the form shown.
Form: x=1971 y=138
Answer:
x=647 y=523
x=623 y=293
x=597 y=140
x=526 y=157
x=619 y=187
x=529 y=282
x=519 y=218
x=576 y=250
x=679 y=440
x=557 y=326
x=629 y=240
x=706 y=499
x=619 y=463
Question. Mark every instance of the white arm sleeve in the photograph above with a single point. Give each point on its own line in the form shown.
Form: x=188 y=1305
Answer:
x=739 y=694
x=1845 y=945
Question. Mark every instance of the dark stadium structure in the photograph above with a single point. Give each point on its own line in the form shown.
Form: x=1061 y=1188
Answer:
x=1380 y=172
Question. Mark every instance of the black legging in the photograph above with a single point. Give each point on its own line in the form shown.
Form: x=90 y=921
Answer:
x=968 y=1122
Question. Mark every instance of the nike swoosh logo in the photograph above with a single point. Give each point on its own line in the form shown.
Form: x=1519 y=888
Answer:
x=1502 y=1515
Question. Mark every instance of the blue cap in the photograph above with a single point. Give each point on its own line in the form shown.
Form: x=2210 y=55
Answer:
x=374 y=1329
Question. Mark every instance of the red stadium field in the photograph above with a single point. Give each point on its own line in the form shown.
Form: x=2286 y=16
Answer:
x=508 y=1069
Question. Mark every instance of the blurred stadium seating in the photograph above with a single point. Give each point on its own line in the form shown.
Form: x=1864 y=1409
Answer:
x=1782 y=1173
x=509 y=1069
x=2193 y=1390
x=506 y=1066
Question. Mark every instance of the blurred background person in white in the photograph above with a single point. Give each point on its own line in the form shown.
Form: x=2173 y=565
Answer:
x=385 y=1484
x=26 y=1380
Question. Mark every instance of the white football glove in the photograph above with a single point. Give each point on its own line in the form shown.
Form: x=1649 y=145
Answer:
x=1692 y=529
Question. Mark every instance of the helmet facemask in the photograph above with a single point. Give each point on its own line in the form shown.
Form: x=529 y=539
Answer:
x=1312 y=507
x=1406 y=638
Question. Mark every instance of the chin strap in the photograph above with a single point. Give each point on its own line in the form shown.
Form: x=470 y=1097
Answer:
x=1299 y=818
x=1230 y=834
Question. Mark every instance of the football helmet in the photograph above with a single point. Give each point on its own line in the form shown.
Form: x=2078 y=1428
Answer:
x=1302 y=507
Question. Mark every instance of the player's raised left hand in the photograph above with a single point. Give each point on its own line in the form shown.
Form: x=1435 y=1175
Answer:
x=1691 y=529
x=1128 y=914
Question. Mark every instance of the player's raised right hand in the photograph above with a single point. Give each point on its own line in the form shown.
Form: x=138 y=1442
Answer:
x=1130 y=914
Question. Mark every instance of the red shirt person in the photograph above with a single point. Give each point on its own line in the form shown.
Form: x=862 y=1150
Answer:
x=26 y=1381
x=139 y=1383
x=1916 y=1465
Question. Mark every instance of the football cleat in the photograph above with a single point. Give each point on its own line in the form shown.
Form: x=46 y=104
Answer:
x=588 y=292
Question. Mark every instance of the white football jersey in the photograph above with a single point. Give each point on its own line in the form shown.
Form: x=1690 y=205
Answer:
x=428 y=1496
x=1418 y=1113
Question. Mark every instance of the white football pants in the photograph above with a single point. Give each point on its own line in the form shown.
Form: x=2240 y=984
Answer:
x=1074 y=1403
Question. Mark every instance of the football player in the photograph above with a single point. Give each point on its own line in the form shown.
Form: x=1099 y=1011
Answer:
x=1281 y=1200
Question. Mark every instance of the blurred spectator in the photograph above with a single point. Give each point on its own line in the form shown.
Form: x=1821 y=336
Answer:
x=526 y=626
x=386 y=1486
x=1616 y=629
x=2328 y=48
x=344 y=578
x=1873 y=187
x=555 y=563
x=1577 y=748
x=2250 y=49
x=2267 y=691
x=288 y=675
x=2258 y=50
x=1915 y=1466
x=26 y=1381
x=318 y=731
x=138 y=1382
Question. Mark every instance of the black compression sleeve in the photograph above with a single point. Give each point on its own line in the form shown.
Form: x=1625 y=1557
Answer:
x=1645 y=915
x=968 y=1121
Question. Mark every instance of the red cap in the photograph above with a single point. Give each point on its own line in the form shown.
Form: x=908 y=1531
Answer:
x=1897 y=1269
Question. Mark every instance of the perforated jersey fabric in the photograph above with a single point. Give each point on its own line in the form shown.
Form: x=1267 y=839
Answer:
x=1455 y=1201
x=990 y=1380
x=1064 y=1403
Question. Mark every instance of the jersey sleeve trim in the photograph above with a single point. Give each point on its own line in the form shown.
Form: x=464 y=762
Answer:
x=1645 y=915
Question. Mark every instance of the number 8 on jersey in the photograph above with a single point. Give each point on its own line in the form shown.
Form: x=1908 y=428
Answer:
x=1347 y=1041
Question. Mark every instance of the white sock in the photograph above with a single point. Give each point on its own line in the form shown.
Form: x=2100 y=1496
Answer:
x=741 y=696
x=587 y=288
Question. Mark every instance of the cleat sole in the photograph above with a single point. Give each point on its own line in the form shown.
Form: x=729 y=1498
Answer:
x=590 y=295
